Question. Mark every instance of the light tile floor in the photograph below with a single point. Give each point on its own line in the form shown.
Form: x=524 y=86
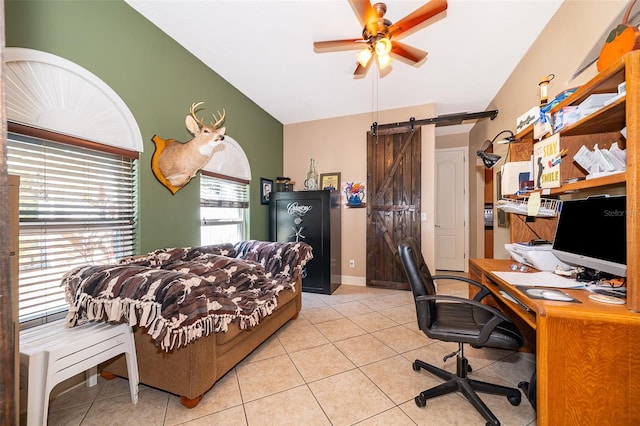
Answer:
x=345 y=360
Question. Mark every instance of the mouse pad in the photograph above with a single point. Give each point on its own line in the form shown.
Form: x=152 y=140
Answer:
x=536 y=293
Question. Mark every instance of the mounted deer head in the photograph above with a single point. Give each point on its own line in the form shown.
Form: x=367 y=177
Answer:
x=174 y=163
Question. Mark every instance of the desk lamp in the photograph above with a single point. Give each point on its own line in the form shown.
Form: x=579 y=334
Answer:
x=489 y=158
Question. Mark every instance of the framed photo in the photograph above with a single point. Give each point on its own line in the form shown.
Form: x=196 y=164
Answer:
x=266 y=187
x=330 y=181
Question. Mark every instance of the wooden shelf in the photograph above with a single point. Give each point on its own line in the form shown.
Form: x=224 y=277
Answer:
x=605 y=82
x=359 y=206
x=611 y=118
x=601 y=128
x=608 y=119
x=610 y=180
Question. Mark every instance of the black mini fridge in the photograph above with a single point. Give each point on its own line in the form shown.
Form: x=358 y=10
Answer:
x=314 y=218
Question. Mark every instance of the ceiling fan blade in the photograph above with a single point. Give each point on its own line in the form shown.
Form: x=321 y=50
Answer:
x=409 y=53
x=365 y=13
x=362 y=71
x=418 y=16
x=336 y=45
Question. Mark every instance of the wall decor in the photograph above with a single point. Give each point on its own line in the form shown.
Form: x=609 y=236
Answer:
x=266 y=188
x=546 y=162
x=330 y=181
x=354 y=192
x=175 y=163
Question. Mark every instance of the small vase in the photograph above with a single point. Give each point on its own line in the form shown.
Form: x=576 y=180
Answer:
x=355 y=200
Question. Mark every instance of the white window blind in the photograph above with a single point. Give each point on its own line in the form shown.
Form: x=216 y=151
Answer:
x=77 y=206
x=224 y=206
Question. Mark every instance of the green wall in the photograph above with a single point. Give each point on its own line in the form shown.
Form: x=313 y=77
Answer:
x=158 y=80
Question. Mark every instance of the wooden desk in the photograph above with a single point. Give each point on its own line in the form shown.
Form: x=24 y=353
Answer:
x=587 y=354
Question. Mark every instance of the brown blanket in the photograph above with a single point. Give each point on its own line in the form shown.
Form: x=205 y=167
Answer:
x=182 y=294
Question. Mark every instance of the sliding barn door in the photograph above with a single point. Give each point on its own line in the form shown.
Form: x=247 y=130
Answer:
x=393 y=202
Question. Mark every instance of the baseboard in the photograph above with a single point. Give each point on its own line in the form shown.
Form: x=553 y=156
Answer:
x=352 y=280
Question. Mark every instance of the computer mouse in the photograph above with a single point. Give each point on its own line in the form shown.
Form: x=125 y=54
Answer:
x=556 y=295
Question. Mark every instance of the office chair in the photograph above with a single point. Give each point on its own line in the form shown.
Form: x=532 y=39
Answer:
x=460 y=320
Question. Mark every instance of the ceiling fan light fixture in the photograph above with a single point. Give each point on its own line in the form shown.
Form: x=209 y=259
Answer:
x=383 y=47
x=364 y=56
x=377 y=32
x=383 y=61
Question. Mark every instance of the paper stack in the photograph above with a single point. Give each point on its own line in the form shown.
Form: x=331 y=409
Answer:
x=600 y=162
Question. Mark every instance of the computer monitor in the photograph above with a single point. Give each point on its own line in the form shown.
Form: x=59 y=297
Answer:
x=592 y=232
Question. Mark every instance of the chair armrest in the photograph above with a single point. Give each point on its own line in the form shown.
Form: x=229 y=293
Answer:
x=457 y=299
x=484 y=291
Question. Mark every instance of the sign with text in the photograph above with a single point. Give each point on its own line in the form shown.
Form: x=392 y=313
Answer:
x=546 y=162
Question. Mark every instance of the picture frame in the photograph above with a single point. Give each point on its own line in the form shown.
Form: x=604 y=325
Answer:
x=266 y=188
x=330 y=180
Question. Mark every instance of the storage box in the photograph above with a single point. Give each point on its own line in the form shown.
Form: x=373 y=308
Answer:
x=565 y=117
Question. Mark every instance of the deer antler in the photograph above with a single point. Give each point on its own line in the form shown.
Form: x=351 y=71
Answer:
x=219 y=120
x=192 y=111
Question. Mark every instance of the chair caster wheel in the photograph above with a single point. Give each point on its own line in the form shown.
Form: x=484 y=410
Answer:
x=415 y=366
x=469 y=369
x=515 y=399
x=420 y=402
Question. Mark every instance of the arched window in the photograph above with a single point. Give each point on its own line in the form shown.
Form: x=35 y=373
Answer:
x=224 y=196
x=75 y=145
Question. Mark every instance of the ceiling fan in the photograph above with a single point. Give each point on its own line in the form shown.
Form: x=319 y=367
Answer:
x=377 y=33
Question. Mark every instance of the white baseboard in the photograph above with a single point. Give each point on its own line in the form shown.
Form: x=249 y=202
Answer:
x=351 y=280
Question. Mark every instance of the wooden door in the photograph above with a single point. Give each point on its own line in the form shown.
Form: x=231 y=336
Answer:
x=393 y=206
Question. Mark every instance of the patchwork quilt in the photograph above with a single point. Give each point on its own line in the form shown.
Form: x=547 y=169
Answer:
x=182 y=294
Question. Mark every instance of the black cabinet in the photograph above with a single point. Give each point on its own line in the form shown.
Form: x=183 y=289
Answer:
x=314 y=218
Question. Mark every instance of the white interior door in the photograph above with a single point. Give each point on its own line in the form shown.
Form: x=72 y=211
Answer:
x=451 y=209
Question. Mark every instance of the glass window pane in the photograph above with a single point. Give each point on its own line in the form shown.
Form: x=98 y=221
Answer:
x=223 y=210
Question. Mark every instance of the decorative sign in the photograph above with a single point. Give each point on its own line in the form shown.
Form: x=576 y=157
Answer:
x=546 y=162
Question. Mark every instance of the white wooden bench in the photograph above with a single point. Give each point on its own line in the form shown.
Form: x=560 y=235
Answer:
x=53 y=353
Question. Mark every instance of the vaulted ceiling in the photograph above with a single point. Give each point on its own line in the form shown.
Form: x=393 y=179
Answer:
x=264 y=48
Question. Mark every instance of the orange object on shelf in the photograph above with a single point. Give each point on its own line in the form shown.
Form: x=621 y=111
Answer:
x=622 y=39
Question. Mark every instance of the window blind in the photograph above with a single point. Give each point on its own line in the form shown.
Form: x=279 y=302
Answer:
x=217 y=192
x=77 y=206
x=223 y=210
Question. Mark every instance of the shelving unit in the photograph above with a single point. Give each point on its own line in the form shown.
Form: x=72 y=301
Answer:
x=602 y=128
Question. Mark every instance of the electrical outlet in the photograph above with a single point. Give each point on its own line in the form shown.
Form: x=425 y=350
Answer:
x=352 y=263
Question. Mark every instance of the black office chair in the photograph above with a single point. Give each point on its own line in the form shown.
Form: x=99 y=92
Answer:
x=461 y=320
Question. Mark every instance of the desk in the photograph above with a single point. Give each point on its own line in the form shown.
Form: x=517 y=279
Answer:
x=587 y=354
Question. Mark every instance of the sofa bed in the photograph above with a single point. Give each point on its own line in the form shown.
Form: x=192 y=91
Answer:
x=196 y=311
